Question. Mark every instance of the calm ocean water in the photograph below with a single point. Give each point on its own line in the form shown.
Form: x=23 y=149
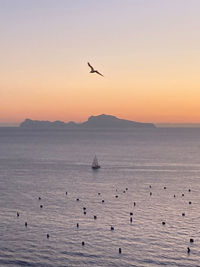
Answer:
x=46 y=164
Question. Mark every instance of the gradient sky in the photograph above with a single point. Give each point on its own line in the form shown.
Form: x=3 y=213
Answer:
x=148 y=50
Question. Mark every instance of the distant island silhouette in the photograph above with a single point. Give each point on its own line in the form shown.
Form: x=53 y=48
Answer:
x=100 y=121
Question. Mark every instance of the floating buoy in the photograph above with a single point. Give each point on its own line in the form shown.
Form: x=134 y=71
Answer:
x=120 y=250
x=150 y=186
x=41 y=206
x=17 y=214
x=131 y=213
x=77 y=225
x=95 y=217
x=191 y=240
x=47 y=235
x=182 y=195
x=66 y=193
x=116 y=196
x=84 y=208
x=188 y=250
x=83 y=243
x=99 y=194
x=174 y=195
x=77 y=199
x=127 y=189
x=189 y=190
x=84 y=212
x=163 y=223
x=190 y=202
x=102 y=201
x=183 y=214
x=112 y=228
x=150 y=193
x=39 y=198
x=26 y=224
x=131 y=219
x=165 y=187
x=134 y=203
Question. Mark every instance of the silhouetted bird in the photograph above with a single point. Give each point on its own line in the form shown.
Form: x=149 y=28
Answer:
x=188 y=250
x=93 y=70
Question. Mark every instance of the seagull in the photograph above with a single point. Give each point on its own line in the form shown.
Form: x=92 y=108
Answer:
x=93 y=70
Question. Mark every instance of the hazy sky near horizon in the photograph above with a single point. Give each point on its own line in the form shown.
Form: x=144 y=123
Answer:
x=148 y=50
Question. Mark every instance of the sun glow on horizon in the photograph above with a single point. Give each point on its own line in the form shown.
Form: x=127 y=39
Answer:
x=148 y=51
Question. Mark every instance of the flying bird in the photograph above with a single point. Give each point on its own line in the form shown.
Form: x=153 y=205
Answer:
x=93 y=70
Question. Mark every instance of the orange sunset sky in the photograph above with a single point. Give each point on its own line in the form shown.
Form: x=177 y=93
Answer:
x=149 y=52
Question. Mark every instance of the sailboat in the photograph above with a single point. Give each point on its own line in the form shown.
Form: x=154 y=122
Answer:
x=95 y=164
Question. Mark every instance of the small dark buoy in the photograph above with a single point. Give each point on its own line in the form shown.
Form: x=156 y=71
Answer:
x=17 y=214
x=183 y=214
x=84 y=208
x=112 y=228
x=127 y=189
x=77 y=225
x=150 y=193
x=134 y=203
x=99 y=194
x=189 y=190
x=163 y=223
x=131 y=219
x=41 y=206
x=83 y=243
x=26 y=224
x=131 y=213
x=120 y=250
x=188 y=250
x=84 y=212
x=116 y=196
x=124 y=191
x=182 y=195
x=102 y=201
x=95 y=217
x=47 y=235
x=190 y=202
x=77 y=199
x=116 y=190
x=191 y=240
x=165 y=187
x=174 y=195
x=66 y=193
x=39 y=198
x=150 y=186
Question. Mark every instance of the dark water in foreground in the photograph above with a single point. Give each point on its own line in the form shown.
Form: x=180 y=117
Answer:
x=46 y=164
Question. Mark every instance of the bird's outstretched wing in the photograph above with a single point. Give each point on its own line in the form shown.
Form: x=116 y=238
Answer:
x=99 y=73
x=90 y=66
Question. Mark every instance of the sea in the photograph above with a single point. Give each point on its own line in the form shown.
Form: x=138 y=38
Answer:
x=149 y=175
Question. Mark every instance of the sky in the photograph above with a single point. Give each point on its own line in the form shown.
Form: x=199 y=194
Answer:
x=148 y=51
